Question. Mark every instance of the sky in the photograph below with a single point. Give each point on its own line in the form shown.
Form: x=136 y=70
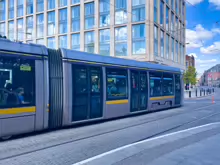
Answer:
x=203 y=33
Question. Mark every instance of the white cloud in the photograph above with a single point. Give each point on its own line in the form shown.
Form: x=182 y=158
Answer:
x=196 y=37
x=194 y=2
x=202 y=65
x=193 y=54
x=212 y=49
x=215 y=3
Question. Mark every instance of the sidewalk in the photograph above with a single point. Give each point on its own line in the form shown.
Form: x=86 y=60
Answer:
x=195 y=146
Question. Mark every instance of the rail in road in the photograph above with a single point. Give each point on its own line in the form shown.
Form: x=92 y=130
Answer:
x=73 y=145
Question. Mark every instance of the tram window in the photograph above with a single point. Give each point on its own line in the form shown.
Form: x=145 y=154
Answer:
x=143 y=81
x=81 y=80
x=168 y=84
x=134 y=81
x=95 y=79
x=17 y=82
x=155 y=84
x=117 y=84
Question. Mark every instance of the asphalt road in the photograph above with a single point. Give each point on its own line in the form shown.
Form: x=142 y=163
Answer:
x=69 y=146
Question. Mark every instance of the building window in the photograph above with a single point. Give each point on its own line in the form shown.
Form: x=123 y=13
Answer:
x=183 y=9
x=11 y=9
x=155 y=40
x=161 y=13
x=177 y=6
x=40 y=25
x=155 y=11
x=121 y=41
x=138 y=39
x=20 y=8
x=120 y=11
x=176 y=28
x=51 y=43
x=76 y=41
x=75 y=18
x=51 y=23
x=63 y=21
x=51 y=4
x=172 y=4
x=29 y=9
x=104 y=42
x=172 y=51
x=162 y=43
x=75 y=1
x=167 y=1
x=167 y=46
x=167 y=19
x=40 y=5
x=104 y=12
x=40 y=41
x=2 y=10
x=11 y=30
x=138 y=10
x=62 y=3
x=89 y=15
x=155 y=84
x=177 y=51
x=183 y=55
x=172 y=23
x=29 y=27
x=20 y=32
x=89 y=42
x=63 y=42
x=2 y=29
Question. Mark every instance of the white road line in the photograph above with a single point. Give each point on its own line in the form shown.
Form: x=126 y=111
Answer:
x=147 y=140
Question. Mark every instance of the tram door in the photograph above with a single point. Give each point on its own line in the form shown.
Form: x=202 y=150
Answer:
x=177 y=89
x=87 y=93
x=139 y=92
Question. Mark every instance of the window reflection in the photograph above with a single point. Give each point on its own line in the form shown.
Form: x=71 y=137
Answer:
x=138 y=10
x=76 y=41
x=40 y=25
x=104 y=42
x=162 y=43
x=51 y=23
x=63 y=41
x=2 y=29
x=51 y=43
x=29 y=9
x=104 y=12
x=29 y=27
x=138 y=39
x=89 y=42
x=121 y=41
x=89 y=15
x=11 y=9
x=20 y=30
x=120 y=11
x=75 y=18
x=20 y=11
x=63 y=21
x=155 y=40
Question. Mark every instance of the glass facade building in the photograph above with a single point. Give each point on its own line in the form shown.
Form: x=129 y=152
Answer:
x=146 y=30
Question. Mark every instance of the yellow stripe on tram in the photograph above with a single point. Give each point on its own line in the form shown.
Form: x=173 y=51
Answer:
x=15 y=111
x=117 y=102
x=161 y=98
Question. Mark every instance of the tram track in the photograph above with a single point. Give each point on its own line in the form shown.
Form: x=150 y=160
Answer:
x=126 y=127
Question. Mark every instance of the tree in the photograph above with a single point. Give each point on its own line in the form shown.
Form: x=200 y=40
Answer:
x=190 y=76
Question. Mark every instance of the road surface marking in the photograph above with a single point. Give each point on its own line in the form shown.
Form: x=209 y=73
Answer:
x=133 y=144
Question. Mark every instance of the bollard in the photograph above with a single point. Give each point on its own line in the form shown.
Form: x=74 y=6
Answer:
x=189 y=94
x=196 y=92
x=204 y=92
x=200 y=92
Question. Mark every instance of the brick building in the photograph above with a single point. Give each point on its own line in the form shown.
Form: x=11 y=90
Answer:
x=190 y=61
x=211 y=77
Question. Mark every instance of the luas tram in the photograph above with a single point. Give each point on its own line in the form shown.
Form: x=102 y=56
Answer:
x=42 y=88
